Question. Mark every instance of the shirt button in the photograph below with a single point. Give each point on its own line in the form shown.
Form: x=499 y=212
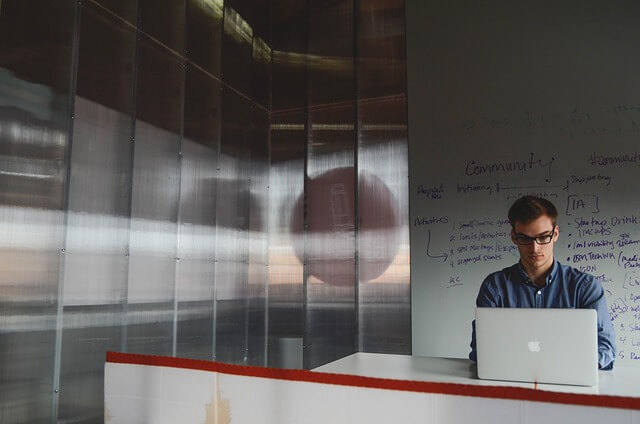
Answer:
x=539 y=292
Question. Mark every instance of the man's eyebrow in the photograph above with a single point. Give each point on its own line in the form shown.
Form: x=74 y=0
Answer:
x=544 y=233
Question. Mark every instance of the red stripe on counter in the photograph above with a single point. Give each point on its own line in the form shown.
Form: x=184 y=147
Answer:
x=498 y=392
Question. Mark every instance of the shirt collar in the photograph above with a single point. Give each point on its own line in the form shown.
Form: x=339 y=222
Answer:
x=550 y=278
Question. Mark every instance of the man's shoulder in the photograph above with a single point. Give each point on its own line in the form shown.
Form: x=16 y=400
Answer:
x=496 y=286
x=572 y=273
x=576 y=278
x=504 y=274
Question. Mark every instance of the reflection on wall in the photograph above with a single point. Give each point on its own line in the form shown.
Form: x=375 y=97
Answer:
x=199 y=180
x=327 y=199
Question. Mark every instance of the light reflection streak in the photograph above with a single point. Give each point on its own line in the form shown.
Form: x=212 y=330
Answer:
x=235 y=24
x=27 y=175
x=42 y=169
x=261 y=50
x=32 y=135
x=215 y=7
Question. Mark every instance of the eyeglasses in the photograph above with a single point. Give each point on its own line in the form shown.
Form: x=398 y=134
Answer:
x=526 y=240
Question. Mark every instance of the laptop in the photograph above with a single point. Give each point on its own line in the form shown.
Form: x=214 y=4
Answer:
x=558 y=346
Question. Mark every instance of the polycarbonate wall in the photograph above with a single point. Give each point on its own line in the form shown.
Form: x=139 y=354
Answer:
x=384 y=303
x=202 y=178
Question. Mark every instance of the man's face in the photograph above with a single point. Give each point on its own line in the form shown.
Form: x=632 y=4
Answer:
x=535 y=256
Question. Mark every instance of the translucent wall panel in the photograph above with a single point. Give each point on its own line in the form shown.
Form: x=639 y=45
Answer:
x=197 y=227
x=286 y=244
x=204 y=34
x=154 y=206
x=232 y=240
x=289 y=46
x=258 y=14
x=237 y=46
x=330 y=224
x=35 y=65
x=126 y=10
x=288 y=140
x=96 y=262
x=383 y=238
x=258 y=218
x=261 y=72
x=215 y=201
x=164 y=22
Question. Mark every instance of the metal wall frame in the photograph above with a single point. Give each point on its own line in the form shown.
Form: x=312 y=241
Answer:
x=210 y=179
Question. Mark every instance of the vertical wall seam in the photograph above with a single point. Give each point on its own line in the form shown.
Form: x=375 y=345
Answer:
x=356 y=181
x=406 y=115
x=65 y=211
x=268 y=196
x=132 y=153
x=247 y=136
x=180 y=159
x=306 y=361
x=217 y=188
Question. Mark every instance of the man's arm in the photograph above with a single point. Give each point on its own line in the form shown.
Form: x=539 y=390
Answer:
x=485 y=299
x=593 y=297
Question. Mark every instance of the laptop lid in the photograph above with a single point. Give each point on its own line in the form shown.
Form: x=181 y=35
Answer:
x=558 y=346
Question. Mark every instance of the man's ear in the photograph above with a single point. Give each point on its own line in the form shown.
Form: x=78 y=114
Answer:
x=513 y=236
x=556 y=233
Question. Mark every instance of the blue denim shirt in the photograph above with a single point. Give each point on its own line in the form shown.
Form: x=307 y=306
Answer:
x=566 y=287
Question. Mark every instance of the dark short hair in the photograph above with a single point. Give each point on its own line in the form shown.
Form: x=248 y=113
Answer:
x=528 y=208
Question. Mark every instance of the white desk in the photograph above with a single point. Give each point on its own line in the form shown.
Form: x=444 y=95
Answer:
x=622 y=381
x=362 y=388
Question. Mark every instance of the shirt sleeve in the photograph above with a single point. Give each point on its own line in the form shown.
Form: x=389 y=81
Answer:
x=485 y=298
x=593 y=297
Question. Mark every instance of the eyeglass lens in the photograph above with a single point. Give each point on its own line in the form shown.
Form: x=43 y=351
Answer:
x=545 y=239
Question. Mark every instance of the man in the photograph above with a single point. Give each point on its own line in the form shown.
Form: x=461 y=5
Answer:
x=539 y=281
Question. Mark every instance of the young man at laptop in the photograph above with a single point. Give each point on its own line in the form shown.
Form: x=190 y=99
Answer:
x=540 y=281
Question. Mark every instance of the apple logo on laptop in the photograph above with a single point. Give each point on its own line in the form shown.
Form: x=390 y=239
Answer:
x=534 y=345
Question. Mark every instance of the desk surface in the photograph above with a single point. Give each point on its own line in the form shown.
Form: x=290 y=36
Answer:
x=622 y=381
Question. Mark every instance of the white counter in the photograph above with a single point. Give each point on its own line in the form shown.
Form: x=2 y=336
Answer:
x=363 y=388
x=622 y=381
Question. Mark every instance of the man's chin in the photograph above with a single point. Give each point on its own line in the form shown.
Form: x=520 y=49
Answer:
x=538 y=261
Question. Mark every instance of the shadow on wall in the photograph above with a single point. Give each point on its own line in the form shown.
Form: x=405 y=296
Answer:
x=330 y=237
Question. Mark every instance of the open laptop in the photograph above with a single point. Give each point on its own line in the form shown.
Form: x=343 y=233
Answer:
x=558 y=346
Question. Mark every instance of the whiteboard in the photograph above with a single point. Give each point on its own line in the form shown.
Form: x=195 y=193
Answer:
x=512 y=98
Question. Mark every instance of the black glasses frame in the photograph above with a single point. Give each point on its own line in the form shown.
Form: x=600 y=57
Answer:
x=525 y=240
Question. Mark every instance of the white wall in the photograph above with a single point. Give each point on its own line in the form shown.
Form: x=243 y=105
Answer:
x=510 y=98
